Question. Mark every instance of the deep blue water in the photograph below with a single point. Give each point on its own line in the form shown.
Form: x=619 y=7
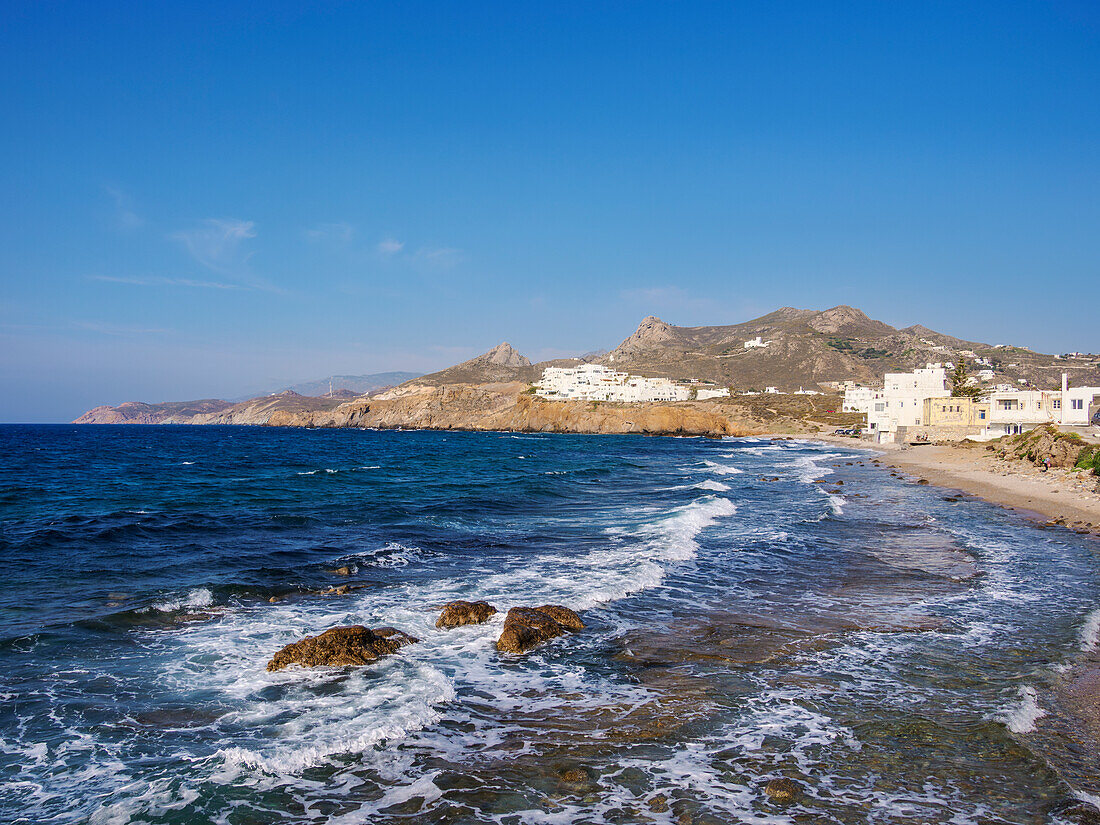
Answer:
x=885 y=646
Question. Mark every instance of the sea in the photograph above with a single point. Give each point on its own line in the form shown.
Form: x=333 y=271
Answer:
x=755 y=609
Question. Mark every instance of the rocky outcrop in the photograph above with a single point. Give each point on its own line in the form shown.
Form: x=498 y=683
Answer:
x=1044 y=443
x=341 y=647
x=526 y=628
x=508 y=407
x=458 y=613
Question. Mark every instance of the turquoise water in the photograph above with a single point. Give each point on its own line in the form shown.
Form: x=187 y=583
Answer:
x=888 y=648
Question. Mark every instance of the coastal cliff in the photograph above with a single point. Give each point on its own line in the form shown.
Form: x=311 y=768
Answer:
x=506 y=406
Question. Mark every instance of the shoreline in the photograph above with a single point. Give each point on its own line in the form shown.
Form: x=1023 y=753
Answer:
x=1060 y=497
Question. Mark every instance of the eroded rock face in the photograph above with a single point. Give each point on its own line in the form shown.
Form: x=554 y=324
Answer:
x=341 y=647
x=528 y=627
x=458 y=613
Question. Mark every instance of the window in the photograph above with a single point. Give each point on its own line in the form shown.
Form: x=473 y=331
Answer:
x=1077 y=403
x=879 y=407
x=1057 y=403
x=981 y=414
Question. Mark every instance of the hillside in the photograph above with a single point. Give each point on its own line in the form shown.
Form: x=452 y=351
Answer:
x=354 y=384
x=807 y=348
x=212 y=411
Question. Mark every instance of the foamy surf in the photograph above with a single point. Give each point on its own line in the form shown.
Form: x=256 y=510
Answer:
x=1022 y=718
x=1090 y=632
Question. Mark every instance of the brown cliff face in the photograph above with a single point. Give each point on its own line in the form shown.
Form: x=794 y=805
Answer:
x=508 y=407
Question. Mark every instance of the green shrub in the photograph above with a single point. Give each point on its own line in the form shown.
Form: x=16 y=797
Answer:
x=1089 y=459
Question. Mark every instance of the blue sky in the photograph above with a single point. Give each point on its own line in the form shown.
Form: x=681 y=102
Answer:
x=206 y=199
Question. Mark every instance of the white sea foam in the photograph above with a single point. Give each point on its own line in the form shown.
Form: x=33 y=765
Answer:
x=1022 y=718
x=1090 y=631
x=199 y=597
x=722 y=469
x=710 y=484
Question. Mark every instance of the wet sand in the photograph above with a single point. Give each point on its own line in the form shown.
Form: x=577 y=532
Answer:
x=1066 y=497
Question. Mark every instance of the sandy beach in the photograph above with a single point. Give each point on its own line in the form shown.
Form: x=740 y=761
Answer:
x=1065 y=497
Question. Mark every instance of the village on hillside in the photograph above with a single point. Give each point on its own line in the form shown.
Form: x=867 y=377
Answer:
x=939 y=402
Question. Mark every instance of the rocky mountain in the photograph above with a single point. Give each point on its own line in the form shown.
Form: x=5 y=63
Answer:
x=502 y=363
x=354 y=384
x=808 y=348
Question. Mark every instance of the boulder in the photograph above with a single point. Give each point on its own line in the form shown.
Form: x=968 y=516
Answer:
x=341 y=647
x=458 y=613
x=528 y=627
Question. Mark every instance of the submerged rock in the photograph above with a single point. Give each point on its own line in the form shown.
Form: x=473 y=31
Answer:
x=341 y=647
x=458 y=613
x=783 y=790
x=528 y=627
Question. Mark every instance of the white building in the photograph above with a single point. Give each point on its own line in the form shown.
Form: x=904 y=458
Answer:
x=772 y=390
x=1015 y=411
x=801 y=391
x=594 y=382
x=857 y=398
x=756 y=342
x=900 y=403
x=703 y=393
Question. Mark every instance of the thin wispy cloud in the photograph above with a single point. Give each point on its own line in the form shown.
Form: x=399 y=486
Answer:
x=423 y=257
x=339 y=232
x=126 y=217
x=180 y=282
x=104 y=328
x=444 y=257
x=217 y=243
x=388 y=247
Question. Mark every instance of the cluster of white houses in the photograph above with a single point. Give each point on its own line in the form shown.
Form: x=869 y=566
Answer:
x=917 y=406
x=595 y=382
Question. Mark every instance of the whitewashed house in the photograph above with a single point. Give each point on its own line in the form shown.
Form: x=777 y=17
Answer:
x=900 y=403
x=857 y=399
x=595 y=382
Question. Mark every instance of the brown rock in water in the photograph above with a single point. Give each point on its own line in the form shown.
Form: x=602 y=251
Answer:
x=658 y=804
x=563 y=616
x=345 y=570
x=341 y=647
x=528 y=627
x=783 y=790
x=459 y=613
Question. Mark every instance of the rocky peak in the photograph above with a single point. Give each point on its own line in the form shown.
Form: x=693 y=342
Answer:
x=846 y=318
x=651 y=332
x=505 y=355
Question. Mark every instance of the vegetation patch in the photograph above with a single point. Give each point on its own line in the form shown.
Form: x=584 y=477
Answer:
x=1089 y=459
